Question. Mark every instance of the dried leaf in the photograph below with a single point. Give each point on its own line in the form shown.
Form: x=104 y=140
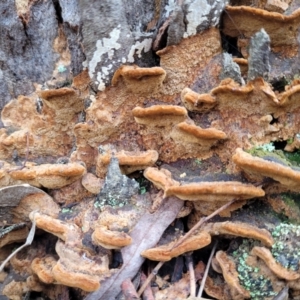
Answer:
x=27 y=243
x=145 y=235
x=10 y=197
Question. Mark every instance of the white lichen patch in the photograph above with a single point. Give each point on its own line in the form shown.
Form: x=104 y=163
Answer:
x=22 y=6
x=197 y=13
x=104 y=46
x=201 y=12
x=170 y=7
x=137 y=48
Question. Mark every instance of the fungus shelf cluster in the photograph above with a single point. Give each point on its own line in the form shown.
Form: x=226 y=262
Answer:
x=198 y=137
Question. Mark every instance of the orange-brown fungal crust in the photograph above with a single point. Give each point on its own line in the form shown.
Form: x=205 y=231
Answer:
x=129 y=161
x=241 y=229
x=158 y=114
x=231 y=276
x=161 y=178
x=42 y=267
x=281 y=272
x=197 y=102
x=247 y=20
x=166 y=253
x=182 y=65
x=215 y=191
x=50 y=175
x=47 y=131
x=258 y=167
x=110 y=239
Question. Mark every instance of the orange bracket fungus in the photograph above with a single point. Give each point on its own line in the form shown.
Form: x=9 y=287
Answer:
x=240 y=229
x=129 y=161
x=270 y=166
x=231 y=276
x=167 y=252
x=140 y=80
x=197 y=102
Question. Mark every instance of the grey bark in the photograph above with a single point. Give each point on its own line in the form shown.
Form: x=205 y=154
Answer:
x=101 y=35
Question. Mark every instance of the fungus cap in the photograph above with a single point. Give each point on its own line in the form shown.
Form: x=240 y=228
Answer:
x=166 y=253
x=215 y=191
x=110 y=239
x=230 y=274
x=266 y=255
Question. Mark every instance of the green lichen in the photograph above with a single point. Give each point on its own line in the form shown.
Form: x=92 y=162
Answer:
x=250 y=277
x=198 y=161
x=287 y=244
x=118 y=189
x=66 y=210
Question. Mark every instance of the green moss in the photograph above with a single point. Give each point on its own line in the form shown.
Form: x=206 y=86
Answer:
x=292 y=200
x=293 y=157
x=275 y=155
x=268 y=151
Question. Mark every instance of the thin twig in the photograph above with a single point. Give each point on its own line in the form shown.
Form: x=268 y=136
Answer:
x=206 y=270
x=128 y=290
x=200 y=223
x=150 y=277
x=27 y=243
x=192 y=275
x=148 y=294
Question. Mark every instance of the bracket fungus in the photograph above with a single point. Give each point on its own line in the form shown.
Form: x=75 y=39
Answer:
x=281 y=28
x=267 y=166
x=159 y=114
x=129 y=161
x=174 y=128
x=215 y=191
x=178 y=118
x=140 y=80
x=167 y=252
x=49 y=175
x=197 y=102
x=281 y=272
x=240 y=229
x=231 y=276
